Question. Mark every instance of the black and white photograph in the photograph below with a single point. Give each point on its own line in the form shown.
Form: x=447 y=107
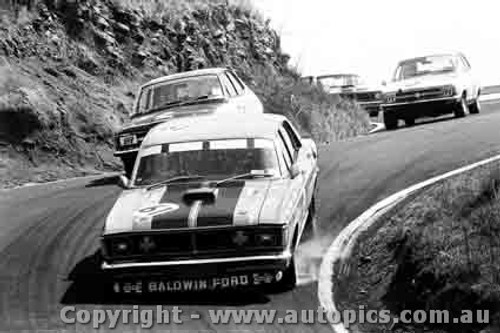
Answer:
x=249 y=166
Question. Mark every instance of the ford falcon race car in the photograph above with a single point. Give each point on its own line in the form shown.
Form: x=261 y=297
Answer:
x=213 y=202
x=183 y=94
x=352 y=87
x=430 y=86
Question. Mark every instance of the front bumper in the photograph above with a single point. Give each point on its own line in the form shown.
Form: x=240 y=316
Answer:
x=193 y=267
x=422 y=108
x=196 y=275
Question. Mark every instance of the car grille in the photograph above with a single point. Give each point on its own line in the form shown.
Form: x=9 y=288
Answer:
x=189 y=244
x=361 y=96
x=416 y=95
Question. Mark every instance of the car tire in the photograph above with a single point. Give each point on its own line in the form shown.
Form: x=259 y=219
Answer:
x=475 y=107
x=409 y=122
x=289 y=280
x=461 y=108
x=128 y=165
x=310 y=226
x=390 y=121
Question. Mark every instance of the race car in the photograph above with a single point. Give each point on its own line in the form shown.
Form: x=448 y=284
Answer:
x=430 y=86
x=214 y=202
x=353 y=87
x=184 y=94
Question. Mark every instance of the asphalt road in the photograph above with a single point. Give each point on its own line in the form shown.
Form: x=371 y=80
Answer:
x=49 y=233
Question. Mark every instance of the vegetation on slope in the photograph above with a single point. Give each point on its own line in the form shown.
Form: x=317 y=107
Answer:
x=438 y=251
x=70 y=70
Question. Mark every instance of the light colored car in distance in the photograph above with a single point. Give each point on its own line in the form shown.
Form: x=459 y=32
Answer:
x=213 y=203
x=430 y=86
x=192 y=93
x=353 y=87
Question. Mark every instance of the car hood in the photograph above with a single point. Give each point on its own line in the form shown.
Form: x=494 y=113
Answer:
x=239 y=203
x=154 y=118
x=422 y=82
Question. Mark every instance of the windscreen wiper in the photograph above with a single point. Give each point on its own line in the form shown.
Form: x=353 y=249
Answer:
x=245 y=175
x=162 y=107
x=172 y=180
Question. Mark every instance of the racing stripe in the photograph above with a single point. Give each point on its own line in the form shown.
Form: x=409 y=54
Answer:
x=174 y=219
x=250 y=202
x=221 y=212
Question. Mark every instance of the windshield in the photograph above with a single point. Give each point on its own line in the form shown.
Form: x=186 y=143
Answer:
x=177 y=91
x=215 y=160
x=424 y=66
x=338 y=81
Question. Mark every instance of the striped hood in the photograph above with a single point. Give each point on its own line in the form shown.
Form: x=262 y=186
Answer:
x=165 y=208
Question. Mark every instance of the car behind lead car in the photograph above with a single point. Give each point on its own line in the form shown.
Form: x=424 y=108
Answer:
x=192 y=93
x=213 y=202
x=430 y=86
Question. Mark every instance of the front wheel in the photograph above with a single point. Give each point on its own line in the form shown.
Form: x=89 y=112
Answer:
x=289 y=278
x=128 y=164
x=409 y=122
x=390 y=121
x=475 y=107
x=461 y=108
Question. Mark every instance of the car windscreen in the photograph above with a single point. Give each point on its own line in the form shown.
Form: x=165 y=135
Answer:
x=175 y=92
x=214 y=159
x=424 y=66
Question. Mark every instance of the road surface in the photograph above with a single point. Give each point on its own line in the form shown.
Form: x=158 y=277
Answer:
x=49 y=233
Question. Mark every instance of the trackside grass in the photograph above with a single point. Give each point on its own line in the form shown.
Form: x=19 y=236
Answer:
x=438 y=250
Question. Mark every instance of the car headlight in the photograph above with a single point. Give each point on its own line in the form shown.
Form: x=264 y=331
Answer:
x=449 y=91
x=121 y=246
x=390 y=98
x=266 y=239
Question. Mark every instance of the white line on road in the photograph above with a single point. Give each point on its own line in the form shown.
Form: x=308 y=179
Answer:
x=343 y=244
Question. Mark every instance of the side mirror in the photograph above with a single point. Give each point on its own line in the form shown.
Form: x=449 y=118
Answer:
x=295 y=171
x=123 y=182
x=384 y=83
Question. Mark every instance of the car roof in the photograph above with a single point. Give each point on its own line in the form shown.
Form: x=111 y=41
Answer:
x=337 y=75
x=451 y=54
x=188 y=74
x=214 y=127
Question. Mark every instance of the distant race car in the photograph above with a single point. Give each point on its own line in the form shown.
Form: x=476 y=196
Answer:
x=430 y=86
x=352 y=87
x=184 y=94
x=213 y=203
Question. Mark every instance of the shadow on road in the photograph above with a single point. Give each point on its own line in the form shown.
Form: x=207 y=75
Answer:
x=90 y=286
x=105 y=181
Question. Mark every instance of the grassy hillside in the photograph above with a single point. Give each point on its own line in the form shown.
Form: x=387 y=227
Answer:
x=69 y=71
x=438 y=251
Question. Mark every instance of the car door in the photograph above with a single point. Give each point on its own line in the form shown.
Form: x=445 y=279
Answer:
x=298 y=188
x=468 y=79
x=305 y=161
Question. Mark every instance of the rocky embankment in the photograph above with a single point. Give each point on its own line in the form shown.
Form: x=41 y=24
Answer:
x=69 y=71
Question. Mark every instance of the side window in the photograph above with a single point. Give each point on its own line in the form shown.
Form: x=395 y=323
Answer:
x=294 y=136
x=288 y=145
x=144 y=100
x=237 y=83
x=283 y=155
x=228 y=86
x=465 y=62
